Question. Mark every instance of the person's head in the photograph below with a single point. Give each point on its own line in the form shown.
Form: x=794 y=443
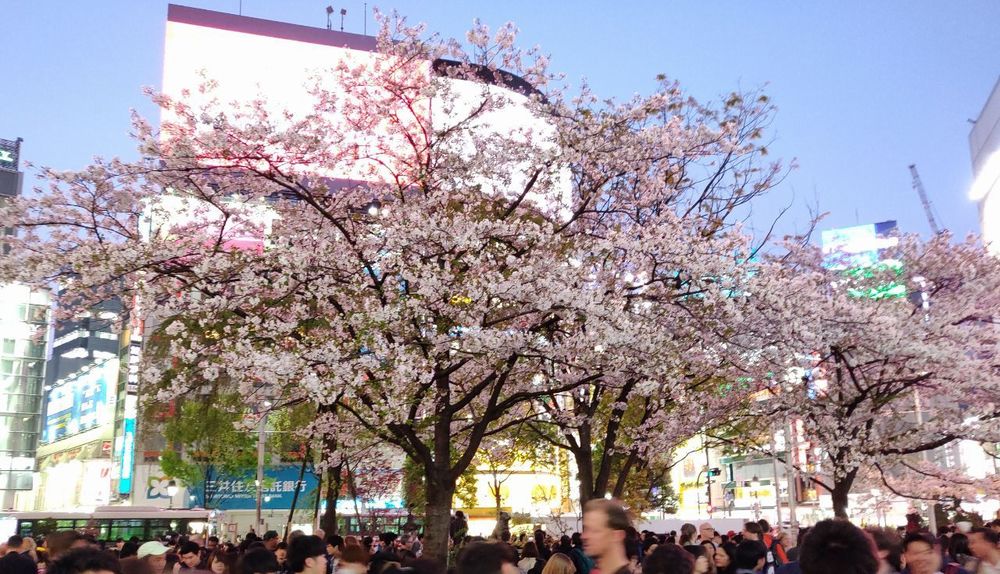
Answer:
x=668 y=559
x=688 y=532
x=750 y=554
x=14 y=543
x=888 y=545
x=697 y=551
x=752 y=531
x=529 y=550
x=281 y=552
x=212 y=543
x=983 y=543
x=128 y=549
x=920 y=555
x=334 y=545
x=154 y=554
x=724 y=556
x=257 y=560
x=59 y=543
x=133 y=565
x=706 y=532
x=709 y=549
x=190 y=554
x=85 y=561
x=220 y=562
x=559 y=563
x=604 y=525
x=958 y=546
x=307 y=554
x=765 y=526
x=354 y=554
x=271 y=540
x=837 y=546
x=486 y=558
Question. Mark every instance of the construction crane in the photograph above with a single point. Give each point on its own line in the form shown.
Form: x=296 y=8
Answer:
x=919 y=187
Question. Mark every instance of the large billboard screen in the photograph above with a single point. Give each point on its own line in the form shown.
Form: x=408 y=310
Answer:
x=860 y=251
x=82 y=402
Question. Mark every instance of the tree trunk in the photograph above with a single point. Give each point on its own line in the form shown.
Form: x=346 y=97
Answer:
x=439 y=491
x=333 y=484
x=841 y=488
x=295 y=497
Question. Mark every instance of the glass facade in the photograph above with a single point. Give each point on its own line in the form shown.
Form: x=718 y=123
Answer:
x=24 y=325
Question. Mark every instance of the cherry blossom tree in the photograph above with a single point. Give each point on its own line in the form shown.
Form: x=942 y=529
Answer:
x=900 y=356
x=396 y=258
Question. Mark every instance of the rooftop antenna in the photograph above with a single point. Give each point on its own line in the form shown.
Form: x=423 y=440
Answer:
x=343 y=12
x=329 y=17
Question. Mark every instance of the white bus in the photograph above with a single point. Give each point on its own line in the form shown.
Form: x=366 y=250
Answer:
x=107 y=523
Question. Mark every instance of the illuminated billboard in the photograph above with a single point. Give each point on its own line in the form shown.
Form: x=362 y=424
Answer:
x=83 y=402
x=859 y=251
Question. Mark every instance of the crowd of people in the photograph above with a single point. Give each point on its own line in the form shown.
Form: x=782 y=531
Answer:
x=608 y=545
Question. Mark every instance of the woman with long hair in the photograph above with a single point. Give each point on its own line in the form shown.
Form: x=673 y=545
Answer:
x=725 y=558
x=559 y=563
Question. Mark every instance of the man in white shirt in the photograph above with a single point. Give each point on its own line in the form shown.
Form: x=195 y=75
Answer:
x=983 y=544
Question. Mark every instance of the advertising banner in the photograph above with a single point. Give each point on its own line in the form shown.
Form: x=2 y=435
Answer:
x=230 y=492
x=81 y=403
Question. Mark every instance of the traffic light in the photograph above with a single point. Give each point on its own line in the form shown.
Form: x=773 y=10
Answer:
x=714 y=471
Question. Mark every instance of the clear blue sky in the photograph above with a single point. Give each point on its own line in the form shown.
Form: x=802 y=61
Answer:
x=863 y=88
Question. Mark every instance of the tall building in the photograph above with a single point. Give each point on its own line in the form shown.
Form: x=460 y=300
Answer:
x=984 y=145
x=24 y=325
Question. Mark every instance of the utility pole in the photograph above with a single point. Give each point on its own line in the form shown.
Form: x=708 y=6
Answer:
x=792 y=475
x=261 y=429
x=774 y=465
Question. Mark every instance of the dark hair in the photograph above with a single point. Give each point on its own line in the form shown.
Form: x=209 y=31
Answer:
x=189 y=548
x=133 y=565
x=213 y=539
x=483 y=558
x=529 y=550
x=991 y=536
x=576 y=539
x=15 y=541
x=668 y=559
x=730 y=549
x=749 y=553
x=284 y=546
x=257 y=560
x=335 y=540
x=918 y=537
x=764 y=526
x=753 y=528
x=617 y=517
x=128 y=549
x=838 y=547
x=888 y=540
x=695 y=550
x=83 y=559
x=958 y=547
x=303 y=548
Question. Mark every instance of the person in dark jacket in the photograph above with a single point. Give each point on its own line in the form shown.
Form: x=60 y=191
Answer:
x=16 y=561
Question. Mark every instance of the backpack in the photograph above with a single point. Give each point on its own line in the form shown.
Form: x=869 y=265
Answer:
x=772 y=560
x=586 y=563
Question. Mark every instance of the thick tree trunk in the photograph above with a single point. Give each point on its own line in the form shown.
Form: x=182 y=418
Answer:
x=439 y=491
x=841 y=488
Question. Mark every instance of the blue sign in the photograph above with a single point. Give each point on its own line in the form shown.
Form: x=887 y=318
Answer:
x=239 y=492
x=126 y=455
x=81 y=403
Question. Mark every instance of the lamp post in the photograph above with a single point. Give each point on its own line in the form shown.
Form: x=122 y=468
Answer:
x=754 y=486
x=172 y=491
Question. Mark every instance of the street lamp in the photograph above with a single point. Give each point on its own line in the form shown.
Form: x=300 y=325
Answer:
x=172 y=491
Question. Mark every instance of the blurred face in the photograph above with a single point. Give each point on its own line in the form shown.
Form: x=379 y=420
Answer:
x=281 y=554
x=701 y=565
x=191 y=559
x=509 y=568
x=157 y=563
x=315 y=565
x=921 y=558
x=722 y=559
x=747 y=535
x=598 y=537
x=981 y=547
x=218 y=567
x=706 y=532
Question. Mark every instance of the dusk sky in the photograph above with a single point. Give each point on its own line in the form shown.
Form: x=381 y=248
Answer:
x=863 y=89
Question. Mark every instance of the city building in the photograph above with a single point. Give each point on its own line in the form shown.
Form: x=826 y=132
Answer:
x=984 y=145
x=24 y=326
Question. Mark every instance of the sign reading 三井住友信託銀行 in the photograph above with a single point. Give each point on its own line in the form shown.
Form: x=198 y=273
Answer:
x=10 y=151
x=228 y=492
